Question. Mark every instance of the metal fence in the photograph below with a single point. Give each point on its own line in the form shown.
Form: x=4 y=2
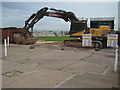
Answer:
x=50 y=34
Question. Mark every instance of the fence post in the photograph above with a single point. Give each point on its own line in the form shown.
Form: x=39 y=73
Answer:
x=8 y=41
x=116 y=59
x=5 y=47
x=62 y=33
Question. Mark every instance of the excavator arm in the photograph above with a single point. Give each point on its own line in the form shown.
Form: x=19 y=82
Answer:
x=67 y=16
x=26 y=36
x=34 y=18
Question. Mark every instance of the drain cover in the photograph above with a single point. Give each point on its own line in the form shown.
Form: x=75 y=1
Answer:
x=12 y=73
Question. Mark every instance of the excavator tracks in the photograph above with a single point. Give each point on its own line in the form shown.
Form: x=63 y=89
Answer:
x=78 y=43
x=73 y=43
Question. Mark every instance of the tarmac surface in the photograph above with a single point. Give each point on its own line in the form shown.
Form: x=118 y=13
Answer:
x=52 y=65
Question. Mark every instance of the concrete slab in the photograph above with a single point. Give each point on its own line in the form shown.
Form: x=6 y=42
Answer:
x=90 y=80
x=22 y=67
x=83 y=66
x=13 y=72
x=26 y=55
x=8 y=64
x=48 y=66
x=42 y=78
x=102 y=57
x=0 y=73
x=0 y=52
x=47 y=57
x=63 y=59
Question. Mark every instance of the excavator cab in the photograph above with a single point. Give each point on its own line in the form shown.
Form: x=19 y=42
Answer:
x=78 y=27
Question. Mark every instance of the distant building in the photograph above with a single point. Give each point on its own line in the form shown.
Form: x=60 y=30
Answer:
x=97 y=22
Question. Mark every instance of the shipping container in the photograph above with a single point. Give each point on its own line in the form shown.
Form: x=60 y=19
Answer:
x=9 y=32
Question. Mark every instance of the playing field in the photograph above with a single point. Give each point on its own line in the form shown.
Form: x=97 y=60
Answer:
x=54 y=38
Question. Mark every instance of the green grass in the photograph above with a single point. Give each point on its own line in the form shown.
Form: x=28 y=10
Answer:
x=54 y=38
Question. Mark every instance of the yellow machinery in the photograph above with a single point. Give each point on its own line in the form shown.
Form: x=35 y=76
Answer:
x=99 y=35
x=102 y=30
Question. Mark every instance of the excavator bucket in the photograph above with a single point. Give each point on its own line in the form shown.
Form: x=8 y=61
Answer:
x=28 y=41
x=22 y=40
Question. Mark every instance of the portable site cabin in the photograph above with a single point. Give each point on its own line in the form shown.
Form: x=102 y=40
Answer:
x=103 y=21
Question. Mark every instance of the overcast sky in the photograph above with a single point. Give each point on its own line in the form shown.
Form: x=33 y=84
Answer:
x=15 y=13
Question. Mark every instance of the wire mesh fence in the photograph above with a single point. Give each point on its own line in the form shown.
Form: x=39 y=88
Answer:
x=50 y=34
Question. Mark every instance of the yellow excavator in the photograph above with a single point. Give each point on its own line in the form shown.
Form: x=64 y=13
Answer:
x=77 y=28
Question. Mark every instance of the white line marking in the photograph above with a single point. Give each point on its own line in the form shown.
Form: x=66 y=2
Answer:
x=64 y=81
x=106 y=70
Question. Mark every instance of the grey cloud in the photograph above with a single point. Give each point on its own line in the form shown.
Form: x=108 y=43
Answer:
x=15 y=13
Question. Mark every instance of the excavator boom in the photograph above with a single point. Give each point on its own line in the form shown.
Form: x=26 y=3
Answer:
x=26 y=36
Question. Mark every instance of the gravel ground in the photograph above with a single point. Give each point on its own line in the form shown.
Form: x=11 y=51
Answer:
x=52 y=65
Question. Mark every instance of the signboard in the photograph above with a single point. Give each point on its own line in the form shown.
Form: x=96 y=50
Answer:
x=87 y=40
x=112 y=40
